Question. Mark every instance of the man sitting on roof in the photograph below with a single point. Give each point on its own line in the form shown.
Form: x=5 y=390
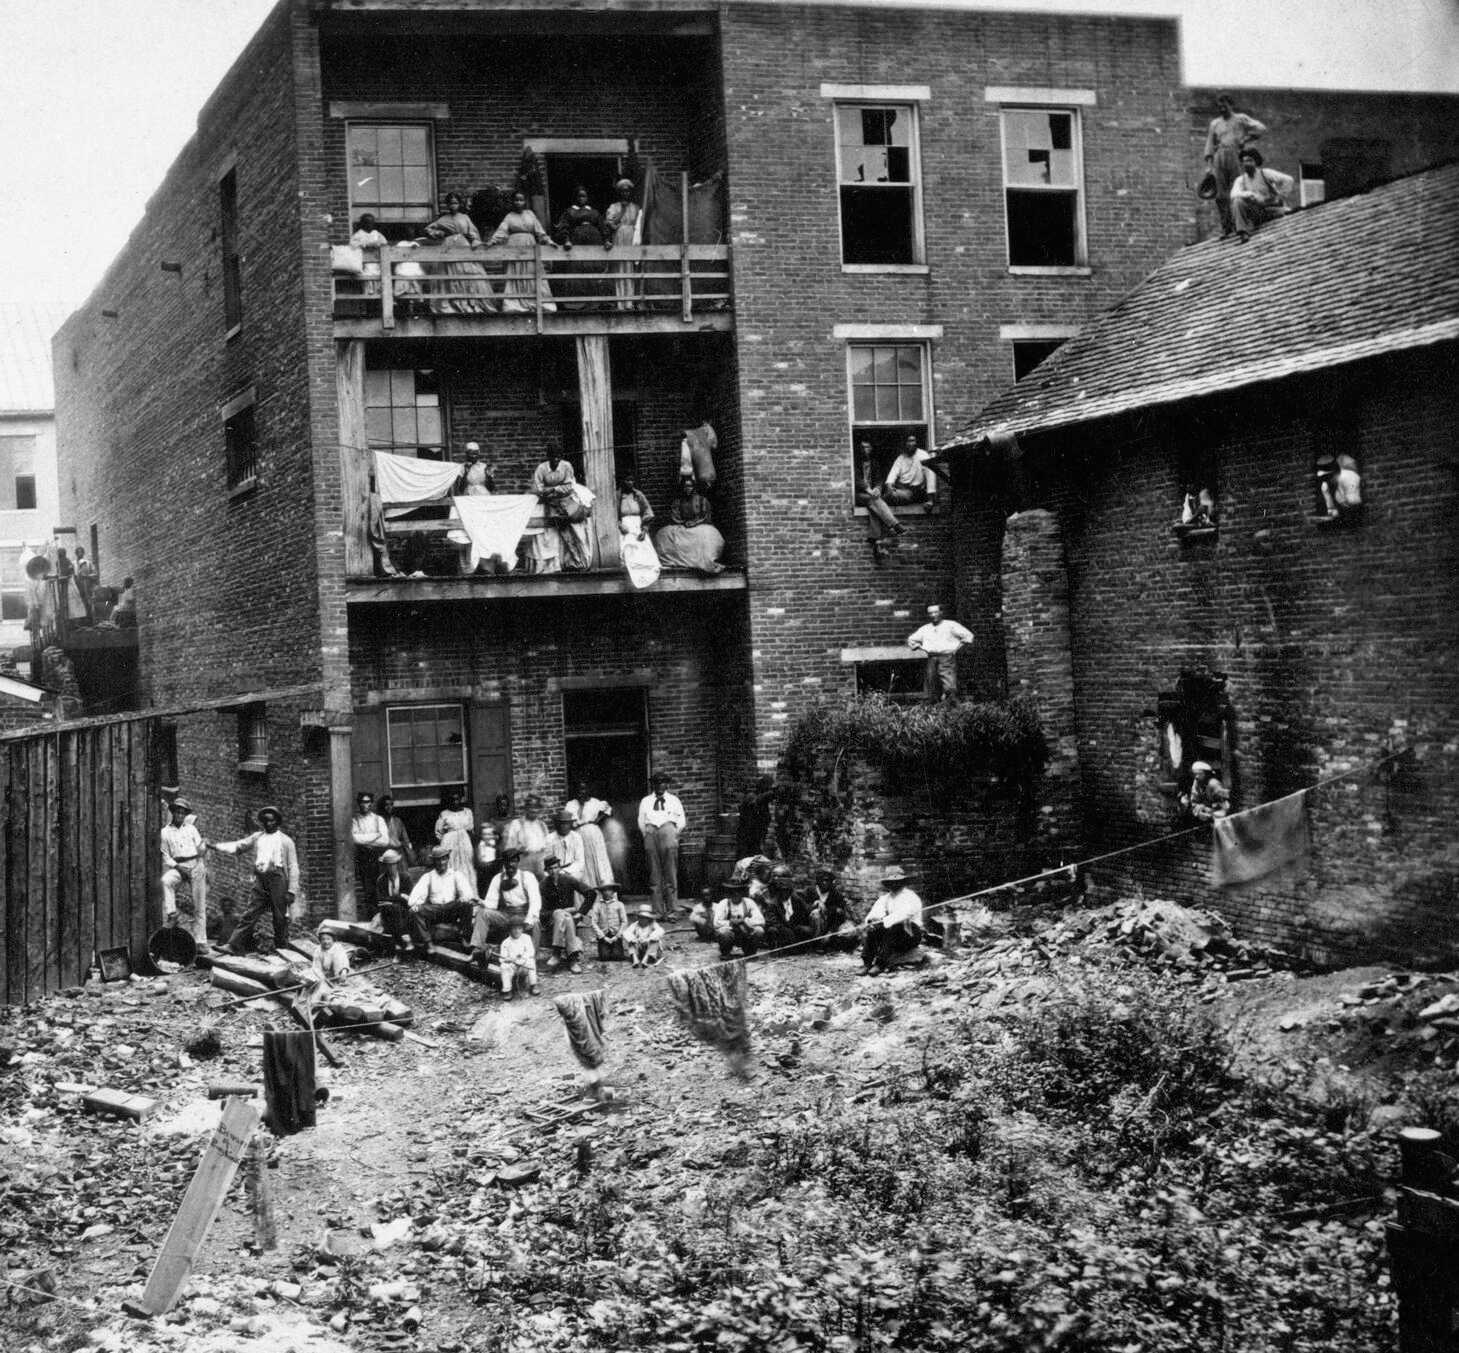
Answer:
x=1258 y=195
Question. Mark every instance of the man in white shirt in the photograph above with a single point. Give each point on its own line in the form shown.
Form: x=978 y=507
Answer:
x=910 y=480
x=1258 y=195
x=442 y=896
x=940 y=639
x=371 y=835
x=660 y=820
x=182 y=858
x=893 y=926
x=738 y=920
x=275 y=879
x=565 y=845
x=512 y=892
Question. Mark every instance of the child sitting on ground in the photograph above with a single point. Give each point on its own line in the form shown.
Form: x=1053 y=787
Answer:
x=607 y=920
x=644 y=938
x=518 y=960
x=331 y=962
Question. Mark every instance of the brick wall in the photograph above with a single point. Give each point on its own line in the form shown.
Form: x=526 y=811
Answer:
x=1338 y=643
x=791 y=291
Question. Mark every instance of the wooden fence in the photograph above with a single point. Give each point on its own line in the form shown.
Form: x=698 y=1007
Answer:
x=79 y=821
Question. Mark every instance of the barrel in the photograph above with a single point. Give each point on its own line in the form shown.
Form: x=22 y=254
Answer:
x=719 y=859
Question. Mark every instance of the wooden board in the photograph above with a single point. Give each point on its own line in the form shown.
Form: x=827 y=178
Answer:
x=70 y=864
x=200 y=1206
x=85 y=848
x=35 y=888
x=145 y=905
x=13 y=840
x=106 y=936
x=55 y=790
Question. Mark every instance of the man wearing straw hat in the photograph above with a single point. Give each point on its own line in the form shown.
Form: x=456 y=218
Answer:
x=893 y=926
x=275 y=879
x=182 y=858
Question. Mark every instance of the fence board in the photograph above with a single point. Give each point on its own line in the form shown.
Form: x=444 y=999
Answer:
x=69 y=863
x=12 y=842
x=35 y=874
x=141 y=804
x=114 y=905
x=85 y=848
x=55 y=790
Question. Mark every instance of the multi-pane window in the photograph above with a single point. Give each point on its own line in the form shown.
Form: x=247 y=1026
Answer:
x=232 y=256
x=391 y=172
x=253 y=738
x=890 y=401
x=240 y=442
x=427 y=746
x=13 y=604
x=403 y=410
x=1041 y=178
x=17 y=472
x=876 y=148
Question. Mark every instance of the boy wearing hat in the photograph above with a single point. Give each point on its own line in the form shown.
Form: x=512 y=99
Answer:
x=275 y=879
x=182 y=858
x=560 y=918
x=518 y=960
x=644 y=938
x=608 y=919
x=893 y=925
x=838 y=924
x=738 y=921
x=1207 y=798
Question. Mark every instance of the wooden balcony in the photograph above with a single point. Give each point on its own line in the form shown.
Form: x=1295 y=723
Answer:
x=435 y=292
x=516 y=586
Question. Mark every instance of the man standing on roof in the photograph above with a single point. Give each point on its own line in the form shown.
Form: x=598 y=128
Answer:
x=1258 y=195
x=940 y=639
x=1228 y=135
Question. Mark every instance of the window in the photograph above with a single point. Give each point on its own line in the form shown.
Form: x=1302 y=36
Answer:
x=1042 y=174
x=1197 y=723
x=403 y=411
x=253 y=738
x=391 y=172
x=1029 y=352
x=240 y=442
x=12 y=585
x=426 y=745
x=232 y=258
x=877 y=167
x=1311 y=184
x=17 y=472
x=903 y=681
x=1197 y=467
x=890 y=401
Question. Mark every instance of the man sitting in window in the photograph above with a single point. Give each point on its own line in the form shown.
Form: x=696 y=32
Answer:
x=910 y=478
x=1207 y=798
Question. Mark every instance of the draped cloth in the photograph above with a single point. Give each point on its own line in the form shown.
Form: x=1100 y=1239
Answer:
x=288 y=1080
x=583 y=1013
x=711 y=1002
x=495 y=523
x=408 y=479
x=1250 y=845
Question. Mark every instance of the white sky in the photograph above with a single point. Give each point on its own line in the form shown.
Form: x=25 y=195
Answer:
x=98 y=96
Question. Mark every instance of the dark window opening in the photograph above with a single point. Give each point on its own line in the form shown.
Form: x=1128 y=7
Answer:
x=164 y=754
x=232 y=258
x=606 y=743
x=1197 y=723
x=567 y=173
x=240 y=442
x=901 y=681
x=1337 y=475
x=17 y=472
x=1029 y=352
x=877 y=226
x=1041 y=181
x=253 y=738
x=25 y=491
x=1196 y=472
x=878 y=177
x=1043 y=229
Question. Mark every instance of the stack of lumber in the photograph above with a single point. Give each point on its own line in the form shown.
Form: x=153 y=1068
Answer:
x=442 y=955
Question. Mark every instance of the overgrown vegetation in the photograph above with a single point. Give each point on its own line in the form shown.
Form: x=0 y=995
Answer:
x=944 y=749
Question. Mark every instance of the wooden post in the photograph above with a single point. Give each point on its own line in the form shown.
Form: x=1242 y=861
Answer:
x=199 y=1206
x=686 y=285
x=537 y=282
x=354 y=457
x=595 y=394
x=341 y=776
x=265 y=1234
x=387 y=289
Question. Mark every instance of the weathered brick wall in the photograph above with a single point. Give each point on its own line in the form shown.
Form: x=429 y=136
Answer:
x=791 y=291
x=1339 y=644
x=1403 y=132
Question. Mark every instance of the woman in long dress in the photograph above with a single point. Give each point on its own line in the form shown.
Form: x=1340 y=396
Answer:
x=588 y=813
x=467 y=292
x=566 y=542
x=640 y=559
x=520 y=229
x=690 y=540
x=581 y=223
x=454 y=829
x=622 y=219
x=528 y=834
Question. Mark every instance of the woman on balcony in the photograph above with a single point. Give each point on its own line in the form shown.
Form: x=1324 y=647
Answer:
x=520 y=229
x=464 y=289
x=566 y=540
x=690 y=540
x=581 y=223
x=622 y=219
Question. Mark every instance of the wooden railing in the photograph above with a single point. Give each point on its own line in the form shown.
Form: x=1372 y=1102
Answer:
x=505 y=281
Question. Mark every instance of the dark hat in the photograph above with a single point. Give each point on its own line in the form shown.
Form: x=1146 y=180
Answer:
x=552 y=862
x=1253 y=152
x=824 y=871
x=511 y=855
x=181 y=805
x=562 y=815
x=1206 y=190
x=736 y=885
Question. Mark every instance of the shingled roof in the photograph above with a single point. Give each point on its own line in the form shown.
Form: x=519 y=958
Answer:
x=25 y=356
x=1350 y=279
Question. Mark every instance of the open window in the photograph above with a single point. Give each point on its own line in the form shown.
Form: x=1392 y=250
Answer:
x=891 y=400
x=1198 y=512
x=253 y=739
x=1043 y=178
x=240 y=441
x=1030 y=352
x=17 y=473
x=1337 y=475
x=392 y=175
x=879 y=174
x=1197 y=723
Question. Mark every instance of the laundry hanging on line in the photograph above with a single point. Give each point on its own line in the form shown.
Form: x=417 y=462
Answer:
x=495 y=523
x=711 y=1002
x=1250 y=845
x=409 y=479
x=583 y=1013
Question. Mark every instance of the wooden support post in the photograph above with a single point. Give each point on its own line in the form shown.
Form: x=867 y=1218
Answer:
x=341 y=793
x=265 y=1234
x=354 y=457
x=595 y=395
x=537 y=282
x=686 y=282
x=387 y=289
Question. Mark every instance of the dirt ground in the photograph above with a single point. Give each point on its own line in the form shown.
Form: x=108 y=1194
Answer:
x=371 y=1204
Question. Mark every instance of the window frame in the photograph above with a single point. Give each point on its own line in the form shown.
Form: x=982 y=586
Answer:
x=442 y=405
x=914 y=157
x=432 y=204
x=253 y=739
x=12 y=583
x=230 y=223
x=12 y=462
x=1080 y=267
x=229 y=412
x=912 y=695
x=889 y=341
x=389 y=750
x=1306 y=198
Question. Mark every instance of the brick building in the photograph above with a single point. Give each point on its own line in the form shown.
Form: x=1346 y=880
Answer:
x=1295 y=637
x=918 y=203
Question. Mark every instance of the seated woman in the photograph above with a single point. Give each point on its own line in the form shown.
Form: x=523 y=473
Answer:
x=634 y=514
x=567 y=541
x=463 y=288
x=690 y=540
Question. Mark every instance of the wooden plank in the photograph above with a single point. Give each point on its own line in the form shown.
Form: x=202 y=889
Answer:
x=148 y=850
x=144 y=899
x=200 y=1206
x=85 y=846
x=70 y=970
x=35 y=890
x=564 y=323
x=354 y=457
x=12 y=859
x=410 y=591
x=595 y=403
x=55 y=788
x=116 y=913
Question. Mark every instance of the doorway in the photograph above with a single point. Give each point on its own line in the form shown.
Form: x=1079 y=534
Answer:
x=605 y=735
x=566 y=173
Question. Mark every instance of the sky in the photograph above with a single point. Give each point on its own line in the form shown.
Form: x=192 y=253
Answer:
x=98 y=96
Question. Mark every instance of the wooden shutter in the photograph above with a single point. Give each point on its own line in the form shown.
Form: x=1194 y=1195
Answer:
x=367 y=754
x=491 y=755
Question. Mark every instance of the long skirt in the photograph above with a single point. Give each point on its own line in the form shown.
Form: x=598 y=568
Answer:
x=517 y=290
x=695 y=547
x=460 y=288
x=615 y=841
x=597 y=867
